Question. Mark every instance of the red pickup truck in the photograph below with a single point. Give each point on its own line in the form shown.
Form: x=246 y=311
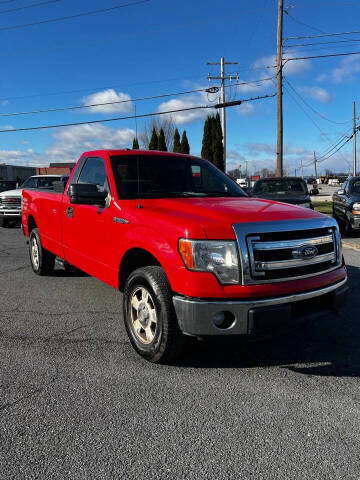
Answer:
x=191 y=252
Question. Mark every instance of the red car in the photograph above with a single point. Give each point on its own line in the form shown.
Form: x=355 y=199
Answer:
x=192 y=254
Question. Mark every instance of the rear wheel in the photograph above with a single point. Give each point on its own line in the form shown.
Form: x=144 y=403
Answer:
x=42 y=261
x=149 y=315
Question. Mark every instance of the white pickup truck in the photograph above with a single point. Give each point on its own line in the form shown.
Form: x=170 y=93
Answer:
x=10 y=200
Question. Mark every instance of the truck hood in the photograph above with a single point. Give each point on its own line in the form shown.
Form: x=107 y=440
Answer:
x=215 y=216
x=293 y=199
x=12 y=193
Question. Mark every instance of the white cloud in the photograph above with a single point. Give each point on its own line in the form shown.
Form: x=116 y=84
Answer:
x=70 y=142
x=346 y=69
x=256 y=149
x=108 y=96
x=184 y=117
x=291 y=67
x=317 y=93
x=246 y=109
x=7 y=127
x=7 y=156
x=5 y=102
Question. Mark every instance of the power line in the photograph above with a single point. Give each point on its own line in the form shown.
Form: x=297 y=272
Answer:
x=313 y=109
x=322 y=43
x=323 y=56
x=106 y=120
x=32 y=5
x=69 y=17
x=174 y=94
x=338 y=34
x=309 y=117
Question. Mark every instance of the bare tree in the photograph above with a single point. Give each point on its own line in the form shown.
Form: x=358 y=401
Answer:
x=160 y=122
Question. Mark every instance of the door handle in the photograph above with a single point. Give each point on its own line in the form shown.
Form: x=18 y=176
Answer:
x=70 y=212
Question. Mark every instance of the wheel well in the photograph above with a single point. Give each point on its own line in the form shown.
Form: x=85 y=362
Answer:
x=31 y=224
x=133 y=259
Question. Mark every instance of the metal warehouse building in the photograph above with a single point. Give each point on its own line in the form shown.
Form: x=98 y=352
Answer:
x=15 y=172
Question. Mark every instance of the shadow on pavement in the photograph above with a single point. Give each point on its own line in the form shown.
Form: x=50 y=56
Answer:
x=328 y=345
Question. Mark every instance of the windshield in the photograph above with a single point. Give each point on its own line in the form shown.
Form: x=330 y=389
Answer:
x=40 y=182
x=166 y=176
x=280 y=186
x=355 y=187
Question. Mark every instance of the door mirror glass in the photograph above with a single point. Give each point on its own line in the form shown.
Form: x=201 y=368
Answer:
x=86 y=194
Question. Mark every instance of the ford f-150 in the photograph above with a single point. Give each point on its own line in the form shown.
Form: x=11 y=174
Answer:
x=191 y=252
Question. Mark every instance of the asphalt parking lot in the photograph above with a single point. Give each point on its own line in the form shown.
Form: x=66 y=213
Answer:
x=77 y=403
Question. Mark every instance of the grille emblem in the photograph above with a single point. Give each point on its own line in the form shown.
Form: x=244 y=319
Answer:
x=306 y=252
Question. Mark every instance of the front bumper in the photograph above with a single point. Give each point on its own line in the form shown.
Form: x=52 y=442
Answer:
x=10 y=214
x=355 y=221
x=196 y=316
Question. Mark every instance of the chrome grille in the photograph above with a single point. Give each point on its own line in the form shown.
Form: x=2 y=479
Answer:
x=287 y=250
x=10 y=202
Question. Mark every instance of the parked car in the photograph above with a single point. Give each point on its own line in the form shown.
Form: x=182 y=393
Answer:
x=192 y=254
x=285 y=189
x=10 y=200
x=7 y=185
x=346 y=205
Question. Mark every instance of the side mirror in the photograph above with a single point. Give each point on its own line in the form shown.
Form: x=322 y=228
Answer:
x=341 y=192
x=86 y=194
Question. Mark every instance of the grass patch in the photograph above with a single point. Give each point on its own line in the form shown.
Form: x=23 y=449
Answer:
x=323 y=207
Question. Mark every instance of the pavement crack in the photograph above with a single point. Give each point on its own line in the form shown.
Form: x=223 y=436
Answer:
x=29 y=395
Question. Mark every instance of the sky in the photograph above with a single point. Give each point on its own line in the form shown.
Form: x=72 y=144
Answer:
x=159 y=47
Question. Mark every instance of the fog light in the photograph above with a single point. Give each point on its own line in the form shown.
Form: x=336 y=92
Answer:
x=224 y=320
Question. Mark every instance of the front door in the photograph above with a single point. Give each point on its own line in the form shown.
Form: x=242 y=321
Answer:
x=86 y=228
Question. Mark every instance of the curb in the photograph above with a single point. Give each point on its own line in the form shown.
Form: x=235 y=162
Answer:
x=346 y=244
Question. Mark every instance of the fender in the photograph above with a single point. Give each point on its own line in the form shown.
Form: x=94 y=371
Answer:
x=162 y=249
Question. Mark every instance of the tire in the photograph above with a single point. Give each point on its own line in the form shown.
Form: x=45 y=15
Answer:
x=42 y=261
x=3 y=222
x=149 y=315
x=347 y=227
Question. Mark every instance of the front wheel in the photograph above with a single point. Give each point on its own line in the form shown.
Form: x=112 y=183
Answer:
x=149 y=315
x=42 y=261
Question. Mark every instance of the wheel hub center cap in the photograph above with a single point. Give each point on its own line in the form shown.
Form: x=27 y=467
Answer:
x=143 y=313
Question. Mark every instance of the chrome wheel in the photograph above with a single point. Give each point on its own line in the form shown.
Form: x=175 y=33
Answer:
x=143 y=315
x=35 y=253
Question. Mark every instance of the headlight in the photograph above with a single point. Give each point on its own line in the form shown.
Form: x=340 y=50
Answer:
x=305 y=205
x=215 y=256
x=356 y=209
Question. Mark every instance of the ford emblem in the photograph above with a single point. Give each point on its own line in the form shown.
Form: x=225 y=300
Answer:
x=306 y=252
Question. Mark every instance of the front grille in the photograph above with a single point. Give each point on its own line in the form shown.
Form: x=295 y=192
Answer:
x=10 y=202
x=280 y=251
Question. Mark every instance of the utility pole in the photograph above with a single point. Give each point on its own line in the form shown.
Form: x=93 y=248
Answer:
x=246 y=171
x=302 y=169
x=279 y=74
x=295 y=171
x=354 y=141
x=222 y=78
x=315 y=166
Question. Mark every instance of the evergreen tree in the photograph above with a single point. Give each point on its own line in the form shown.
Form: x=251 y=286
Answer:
x=206 y=150
x=185 y=147
x=217 y=143
x=153 y=145
x=177 y=145
x=135 y=144
x=161 y=141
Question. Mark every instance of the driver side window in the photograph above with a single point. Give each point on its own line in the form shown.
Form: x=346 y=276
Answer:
x=94 y=172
